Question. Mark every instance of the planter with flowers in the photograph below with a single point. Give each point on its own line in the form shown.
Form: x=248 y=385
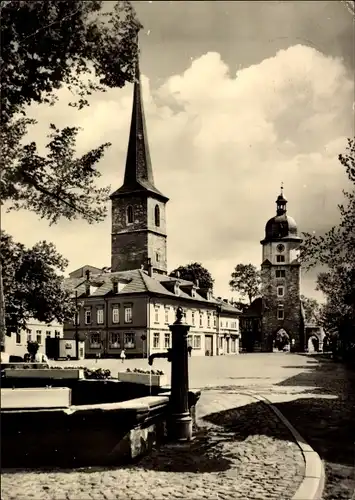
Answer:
x=58 y=372
x=153 y=378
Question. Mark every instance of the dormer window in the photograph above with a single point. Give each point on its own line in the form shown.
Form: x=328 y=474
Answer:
x=157 y=215
x=115 y=287
x=176 y=289
x=129 y=214
x=193 y=292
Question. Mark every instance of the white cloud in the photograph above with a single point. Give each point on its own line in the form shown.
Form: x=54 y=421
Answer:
x=220 y=145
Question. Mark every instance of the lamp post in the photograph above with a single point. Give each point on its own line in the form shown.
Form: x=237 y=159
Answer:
x=77 y=305
x=144 y=338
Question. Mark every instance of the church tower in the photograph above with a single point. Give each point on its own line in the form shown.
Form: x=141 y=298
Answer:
x=280 y=279
x=138 y=207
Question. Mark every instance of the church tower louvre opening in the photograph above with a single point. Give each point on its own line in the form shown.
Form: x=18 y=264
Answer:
x=139 y=236
x=281 y=280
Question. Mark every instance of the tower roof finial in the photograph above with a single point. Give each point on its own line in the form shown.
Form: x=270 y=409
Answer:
x=282 y=188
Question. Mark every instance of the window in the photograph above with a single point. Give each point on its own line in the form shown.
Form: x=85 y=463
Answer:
x=280 y=258
x=128 y=314
x=100 y=316
x=167 y=340
x=214 y=321
x=87 y=316
x=129 y=340
x=156 y=340
x=48 y=334
x=193 y=318
x=95 y=341
x=76 y=319
x=197 y=341
x=115 y=314
x=29 y=335
x=39 y=336
x=115 y=341
x=189 y=340
x=280 y=273
x=57 y=334
x=208 y=321
x=157 y=215
x=280 y=291
x=156 y=316
x=280 y=314
x=166 y=315
x=130 y=214
x=226 y=324
x=18 y=338
x=200 y=319
x=157 y=257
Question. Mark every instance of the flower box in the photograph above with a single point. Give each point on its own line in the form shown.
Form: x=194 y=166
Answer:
x=143 y=378
x=44 y=373
x=49 y=397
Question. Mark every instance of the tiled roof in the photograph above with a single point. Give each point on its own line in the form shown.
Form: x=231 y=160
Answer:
x=138 y=281
x=254 y=309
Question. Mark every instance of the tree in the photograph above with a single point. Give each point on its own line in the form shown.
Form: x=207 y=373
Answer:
x=50 y=44
x=336 y=249
x=32 y=286
x=246 y=281
x=311 y=309
x=193 y=272
x=242 y=306
x=47 y=45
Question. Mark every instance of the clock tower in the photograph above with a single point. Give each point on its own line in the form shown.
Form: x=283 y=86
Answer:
x=281 y=279
x=139 y=236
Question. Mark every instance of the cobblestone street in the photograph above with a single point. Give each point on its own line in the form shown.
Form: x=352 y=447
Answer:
x=241 y=450
x=219 y=463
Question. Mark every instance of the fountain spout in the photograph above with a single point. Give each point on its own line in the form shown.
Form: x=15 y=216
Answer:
x=166 y=355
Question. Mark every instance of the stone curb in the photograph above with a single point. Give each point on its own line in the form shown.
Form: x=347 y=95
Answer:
x=313 y=482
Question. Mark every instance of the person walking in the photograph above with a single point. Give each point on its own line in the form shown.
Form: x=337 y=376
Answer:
x=123 y=355
x=189 y=350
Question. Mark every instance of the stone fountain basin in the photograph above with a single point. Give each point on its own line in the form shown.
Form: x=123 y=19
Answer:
x=86 y=423
x=84 y=435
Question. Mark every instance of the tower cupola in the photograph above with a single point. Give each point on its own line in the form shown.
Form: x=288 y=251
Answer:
x=281 y=203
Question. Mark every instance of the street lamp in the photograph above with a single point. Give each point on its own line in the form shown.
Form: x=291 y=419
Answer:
x=77 y=306
x=144 y=338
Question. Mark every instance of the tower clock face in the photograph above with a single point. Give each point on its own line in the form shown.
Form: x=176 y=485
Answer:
x=280 y=247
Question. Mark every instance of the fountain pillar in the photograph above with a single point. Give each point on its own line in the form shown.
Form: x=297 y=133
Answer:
x=180 y=428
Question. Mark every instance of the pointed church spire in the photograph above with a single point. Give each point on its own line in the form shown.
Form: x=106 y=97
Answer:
x=138 y=171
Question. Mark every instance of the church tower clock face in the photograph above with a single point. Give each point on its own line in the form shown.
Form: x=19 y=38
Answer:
x=280 y=248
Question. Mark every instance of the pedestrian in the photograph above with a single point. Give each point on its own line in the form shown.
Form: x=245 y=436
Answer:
x=123 y=355
x=189 y=350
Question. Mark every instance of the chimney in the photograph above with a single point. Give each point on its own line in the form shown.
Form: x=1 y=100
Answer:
x=150 y=267
x=87 y=273
x=177 y=274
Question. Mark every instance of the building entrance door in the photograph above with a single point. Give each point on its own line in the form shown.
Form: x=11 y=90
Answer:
x=208 y=345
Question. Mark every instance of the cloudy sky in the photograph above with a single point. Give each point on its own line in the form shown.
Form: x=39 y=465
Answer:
x=239 y=96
